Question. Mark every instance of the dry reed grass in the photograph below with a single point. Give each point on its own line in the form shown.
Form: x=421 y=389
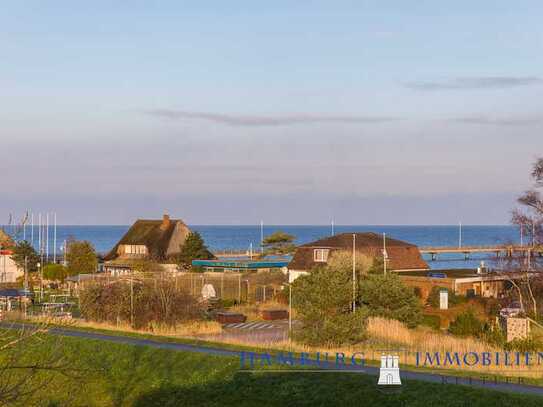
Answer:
x=391 y=334
x=383 y=334
x=192 y=329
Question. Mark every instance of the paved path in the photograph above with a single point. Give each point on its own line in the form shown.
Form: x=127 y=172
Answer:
x=421 y=376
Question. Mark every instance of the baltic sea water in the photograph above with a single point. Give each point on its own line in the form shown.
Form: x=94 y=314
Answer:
x=241 y=237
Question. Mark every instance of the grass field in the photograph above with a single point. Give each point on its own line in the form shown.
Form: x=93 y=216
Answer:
x=107 y=374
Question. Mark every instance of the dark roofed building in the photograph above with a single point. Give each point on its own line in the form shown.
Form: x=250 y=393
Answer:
x=402 y=256
x=157 y=240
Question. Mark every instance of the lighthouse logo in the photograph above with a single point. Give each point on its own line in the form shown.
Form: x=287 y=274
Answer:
x=389 y=373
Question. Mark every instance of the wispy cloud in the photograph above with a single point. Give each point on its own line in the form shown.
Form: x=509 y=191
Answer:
x=489 y=82
x=499 y=121
x=256 y=120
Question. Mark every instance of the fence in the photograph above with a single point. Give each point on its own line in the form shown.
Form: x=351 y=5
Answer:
x=236 y=287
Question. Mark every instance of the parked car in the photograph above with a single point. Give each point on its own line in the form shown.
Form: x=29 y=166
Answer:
x=513 y=310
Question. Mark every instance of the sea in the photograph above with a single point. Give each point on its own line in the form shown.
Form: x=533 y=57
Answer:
x=240 y=238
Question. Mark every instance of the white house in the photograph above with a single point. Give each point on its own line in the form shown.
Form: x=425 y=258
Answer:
x=9 y=272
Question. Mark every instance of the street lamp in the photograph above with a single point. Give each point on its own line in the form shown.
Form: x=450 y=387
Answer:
x=41 y=280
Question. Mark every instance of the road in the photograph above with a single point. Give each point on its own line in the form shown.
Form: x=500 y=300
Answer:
x=371 y=370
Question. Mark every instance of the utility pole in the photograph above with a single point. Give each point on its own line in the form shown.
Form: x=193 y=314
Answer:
x=55 y=238
x=26 y=273
x=32 y=228
x=354 y=272
x=47 y=238
x=521 y=235
x=289 y=307
x=39 y=233
x=385 y=255
x=132 y=301
x=460 y=236
x=261 y=236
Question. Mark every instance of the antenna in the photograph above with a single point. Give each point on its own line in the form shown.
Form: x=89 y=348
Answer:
x=55 y=238
x=385 y=255
x=261 y=236
x=354 y=272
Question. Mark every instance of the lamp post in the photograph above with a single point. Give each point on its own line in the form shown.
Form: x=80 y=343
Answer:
x=41 y=280
x=289 y=307
x=354 y=272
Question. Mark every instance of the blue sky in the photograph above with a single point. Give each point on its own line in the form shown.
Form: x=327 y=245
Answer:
x=384 y=112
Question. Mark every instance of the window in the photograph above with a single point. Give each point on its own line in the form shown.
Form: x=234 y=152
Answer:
x=135 y=249
x=320 y=255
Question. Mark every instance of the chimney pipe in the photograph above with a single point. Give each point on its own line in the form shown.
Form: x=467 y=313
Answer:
x=165 y=222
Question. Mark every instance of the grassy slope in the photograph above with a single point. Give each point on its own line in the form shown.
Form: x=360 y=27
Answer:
x=268 y=349
x=114 y=374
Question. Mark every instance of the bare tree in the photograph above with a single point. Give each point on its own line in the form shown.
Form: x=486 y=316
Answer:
x=29 y=356
x=529 y=216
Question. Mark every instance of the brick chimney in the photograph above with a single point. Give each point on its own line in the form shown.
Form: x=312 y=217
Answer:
x=165 y=222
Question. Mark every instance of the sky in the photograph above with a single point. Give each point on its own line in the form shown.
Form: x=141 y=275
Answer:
x=361 y=112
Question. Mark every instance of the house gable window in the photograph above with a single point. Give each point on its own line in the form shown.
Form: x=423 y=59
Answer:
x=320 y=255
x=139 y=249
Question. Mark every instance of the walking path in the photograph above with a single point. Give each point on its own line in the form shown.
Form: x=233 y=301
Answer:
x=372 y=370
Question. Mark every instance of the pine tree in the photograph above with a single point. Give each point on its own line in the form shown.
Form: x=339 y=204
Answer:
x=24 y=250
x=194 y=248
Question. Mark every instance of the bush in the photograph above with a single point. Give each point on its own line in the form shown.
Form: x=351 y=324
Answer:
x=323 y=302
x=492 y=306
x=433 y=321
x=467 y=324
x=433 y=297
x=55 y=272
x=386 y=296
x=527 y=345
x=81 y=258
x=155 y=302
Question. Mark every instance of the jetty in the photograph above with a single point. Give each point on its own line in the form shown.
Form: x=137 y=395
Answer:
x=507 y=251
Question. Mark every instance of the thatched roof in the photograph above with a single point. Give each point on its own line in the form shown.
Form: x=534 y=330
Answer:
x=5 y=239
x=163 y=238
x=401 y=255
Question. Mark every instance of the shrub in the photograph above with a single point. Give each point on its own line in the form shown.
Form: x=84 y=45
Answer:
x=527 y=345
x=145 y=304
x=386 y=296
x=323 y=302
x=55 y=272
x=81 y=258
x=433 y=321
x=467 y=324
x=433 y=297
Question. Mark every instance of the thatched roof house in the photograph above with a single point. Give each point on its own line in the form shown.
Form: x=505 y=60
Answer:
x=151 y=239
x=402 y=256
x=5 y=240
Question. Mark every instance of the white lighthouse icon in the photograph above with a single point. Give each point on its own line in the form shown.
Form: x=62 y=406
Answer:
x=389 y=374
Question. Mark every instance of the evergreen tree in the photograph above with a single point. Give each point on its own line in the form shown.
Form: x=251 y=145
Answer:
x=194 y=248
x=278 y=243
x=81 y=258
x=388 y=297
x=323 y=303
x=24 y=250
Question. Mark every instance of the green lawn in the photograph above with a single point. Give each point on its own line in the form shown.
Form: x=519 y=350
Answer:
x=107 y=374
